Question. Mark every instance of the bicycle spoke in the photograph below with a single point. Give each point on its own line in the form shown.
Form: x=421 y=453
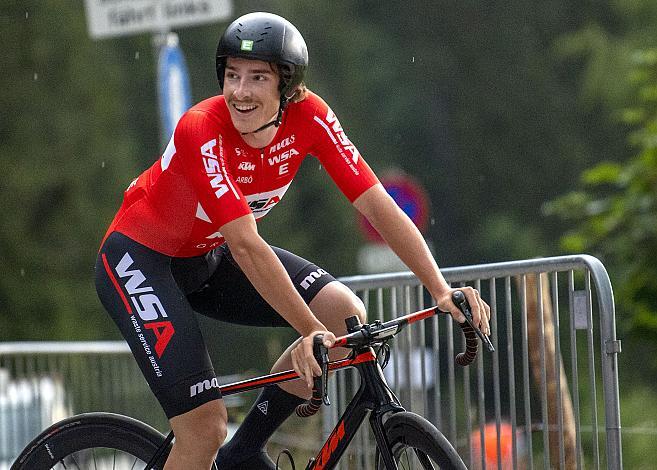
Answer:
x=412 y=459
x=75 y=462
x=101 y=459
x=424 y=460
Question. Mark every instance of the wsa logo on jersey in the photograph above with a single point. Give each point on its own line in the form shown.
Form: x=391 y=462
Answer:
x=332 y=126
x=213 y=167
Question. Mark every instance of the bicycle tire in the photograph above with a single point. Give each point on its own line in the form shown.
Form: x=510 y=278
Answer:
x=93 y=439
x=415 y=443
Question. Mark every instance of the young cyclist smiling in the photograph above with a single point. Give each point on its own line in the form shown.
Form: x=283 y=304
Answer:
x=185 y=240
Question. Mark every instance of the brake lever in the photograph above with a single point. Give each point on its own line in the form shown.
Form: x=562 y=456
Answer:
x=321 y=356
x=460 y=301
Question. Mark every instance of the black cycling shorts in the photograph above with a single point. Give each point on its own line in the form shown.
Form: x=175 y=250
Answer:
x=152 y=299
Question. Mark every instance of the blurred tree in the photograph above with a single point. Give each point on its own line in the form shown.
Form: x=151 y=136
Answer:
x=65 y=155
x=614 y=215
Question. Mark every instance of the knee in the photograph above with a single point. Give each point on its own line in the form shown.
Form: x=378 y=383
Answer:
x=216 y=433
x=336 y=302
x=205 y=439
x=358 y=309
x=203 y=432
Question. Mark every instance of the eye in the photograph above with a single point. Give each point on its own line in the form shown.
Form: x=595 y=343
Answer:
x=231 y=75
x=260 y=77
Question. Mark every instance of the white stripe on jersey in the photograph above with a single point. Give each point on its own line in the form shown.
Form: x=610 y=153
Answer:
x=327 y=129
x=168 y=155
x=201 y=214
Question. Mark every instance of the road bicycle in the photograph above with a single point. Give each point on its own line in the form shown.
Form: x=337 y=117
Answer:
x=403 y=439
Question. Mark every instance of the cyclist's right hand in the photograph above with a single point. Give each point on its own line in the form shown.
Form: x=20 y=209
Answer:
x=480 y=309
x=303 y=360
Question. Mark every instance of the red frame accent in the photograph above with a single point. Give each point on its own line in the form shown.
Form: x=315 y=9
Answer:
x=288 y=375
x=421 y=314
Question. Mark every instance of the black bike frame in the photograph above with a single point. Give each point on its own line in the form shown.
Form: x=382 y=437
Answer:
x=374 y=396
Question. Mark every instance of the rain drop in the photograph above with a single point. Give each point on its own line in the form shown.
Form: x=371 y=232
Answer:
x=27 y=14
x=137 y=55
x=102 y=165
x=433 y=221
x=413 y=59
x=22 y=272
x=36 y=76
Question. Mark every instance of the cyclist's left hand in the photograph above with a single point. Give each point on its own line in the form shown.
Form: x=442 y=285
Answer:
x=303 y=360
x=479 y=308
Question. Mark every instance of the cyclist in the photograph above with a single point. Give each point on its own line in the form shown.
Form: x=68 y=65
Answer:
x=185 y=240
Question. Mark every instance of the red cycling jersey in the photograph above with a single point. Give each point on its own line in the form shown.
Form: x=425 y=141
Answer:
x=209 y=176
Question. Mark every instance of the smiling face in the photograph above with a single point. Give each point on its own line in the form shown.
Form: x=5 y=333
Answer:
x=251 y=92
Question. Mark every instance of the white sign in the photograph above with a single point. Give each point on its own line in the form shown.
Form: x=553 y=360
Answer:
x=376 y=258
x=107 y=18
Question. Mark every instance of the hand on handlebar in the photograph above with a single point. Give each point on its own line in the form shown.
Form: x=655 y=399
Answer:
x=479 y=308
x=303 y=360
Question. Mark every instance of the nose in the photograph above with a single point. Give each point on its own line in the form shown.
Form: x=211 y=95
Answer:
x=241 y=90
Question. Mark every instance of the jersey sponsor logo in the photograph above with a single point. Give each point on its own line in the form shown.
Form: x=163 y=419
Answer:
x=246 y=166
x=213 y=168
x=148 y=307
x=203 y=386
x=208 y=245
x=276 y=159
x=282 y=144
x=332 y=126
x=244 y=179
x=312 y=277
x=262 y=203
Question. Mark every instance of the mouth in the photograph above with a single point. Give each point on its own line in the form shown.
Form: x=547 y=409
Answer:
x=244 y=108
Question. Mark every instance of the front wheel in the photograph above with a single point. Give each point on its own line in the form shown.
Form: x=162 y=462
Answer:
x=415 y=443
x=93 y=441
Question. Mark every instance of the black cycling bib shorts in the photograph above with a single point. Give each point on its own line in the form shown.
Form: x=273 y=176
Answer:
x=153 y=299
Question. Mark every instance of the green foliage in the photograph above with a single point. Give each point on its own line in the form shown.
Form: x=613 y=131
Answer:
x=614 y=214
x=66 y=134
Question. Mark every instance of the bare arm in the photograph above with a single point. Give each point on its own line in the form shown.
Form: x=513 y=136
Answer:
x=407 y=242
x=265 y=271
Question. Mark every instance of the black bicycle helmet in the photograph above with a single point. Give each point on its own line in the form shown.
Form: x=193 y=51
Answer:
x=267 y=37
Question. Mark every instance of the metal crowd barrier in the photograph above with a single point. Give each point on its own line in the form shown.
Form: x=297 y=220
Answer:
x=510 y=409
x=535 y=402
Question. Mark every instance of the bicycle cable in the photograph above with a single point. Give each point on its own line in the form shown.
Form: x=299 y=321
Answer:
x=383 y=354
x=289 y=456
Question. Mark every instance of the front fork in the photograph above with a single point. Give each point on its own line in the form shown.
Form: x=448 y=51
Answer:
x=373 y=395
x=376 y=422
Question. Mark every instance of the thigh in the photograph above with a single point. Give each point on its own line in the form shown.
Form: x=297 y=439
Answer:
x=229 y=296
x=137 y=289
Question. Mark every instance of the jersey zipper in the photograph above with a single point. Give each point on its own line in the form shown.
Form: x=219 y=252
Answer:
x=262 y=170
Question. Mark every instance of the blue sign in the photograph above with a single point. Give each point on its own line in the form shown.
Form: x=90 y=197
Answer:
x=173 y=85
